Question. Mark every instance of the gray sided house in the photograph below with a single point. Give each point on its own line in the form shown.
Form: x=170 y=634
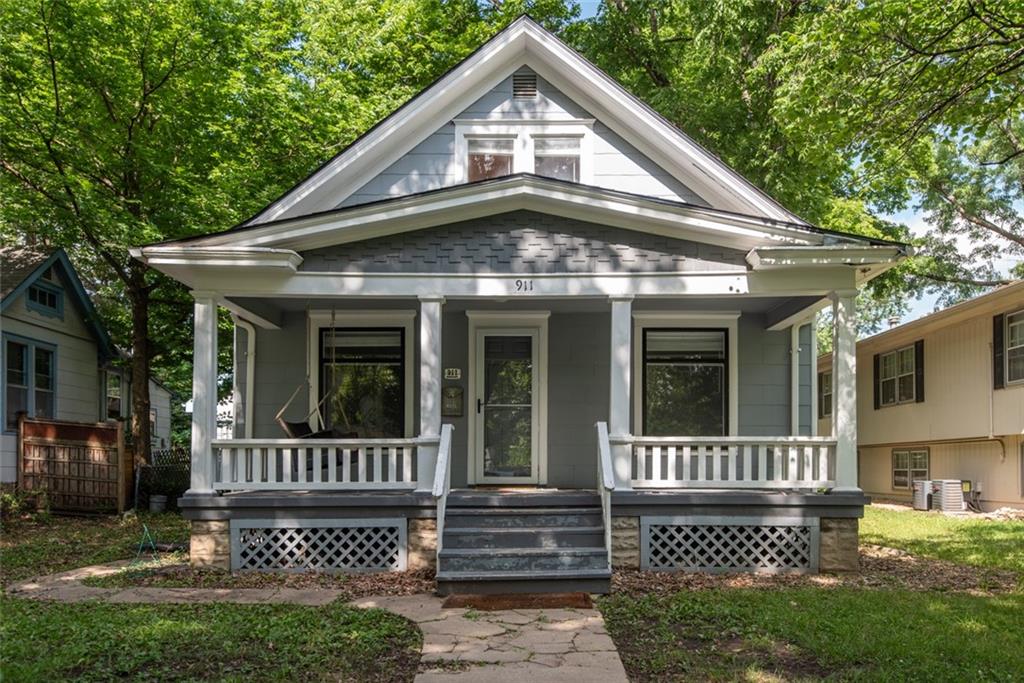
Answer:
x=524 y=330
x=58 y=360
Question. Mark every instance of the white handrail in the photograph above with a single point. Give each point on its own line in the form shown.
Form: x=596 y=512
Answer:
x=605 y=484
x=442 y=482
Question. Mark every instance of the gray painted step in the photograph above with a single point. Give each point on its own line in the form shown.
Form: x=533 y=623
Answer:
x=522 y=517
x=531 y=499
x=521 y=561
x=524 y=537
x=450 y=583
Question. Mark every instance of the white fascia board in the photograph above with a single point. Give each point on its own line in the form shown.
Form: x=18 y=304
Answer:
x=767 y=258
x=526 y=43
x=260 y=258
x=527 y=193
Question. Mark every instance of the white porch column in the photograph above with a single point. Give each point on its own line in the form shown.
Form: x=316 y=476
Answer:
x=619 y=389
x=844 y=389
x=430 y=387
x=204 y=393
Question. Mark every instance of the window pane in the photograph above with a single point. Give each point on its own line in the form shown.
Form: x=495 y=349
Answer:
x=1015 y=329
x=918 y=475
x=17 y=360
x=489 y=158
x=44 y=404
x=906 y=360
x=826 y=383
x=557 y=158
x=680 y=345
x=901 y=460
x=919 y=460
x=906 y=386
x=508 y=445
x=888 y=391
x=900 y=479
x=508 y=368
x=888 y=366
x=684 y=399
x=44 y=369
x=1015 y=364
x=362 y=373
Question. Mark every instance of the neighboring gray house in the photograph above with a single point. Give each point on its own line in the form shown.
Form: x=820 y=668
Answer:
x=57 y=358
x=527 y=327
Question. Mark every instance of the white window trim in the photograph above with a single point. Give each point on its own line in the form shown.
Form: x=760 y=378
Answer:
x=404 y=319
x=503 y=320
x=727 y=320
x=896 y=377
x=523 y=131
x=909 y=468
x=107 y=374
x=1006 y=350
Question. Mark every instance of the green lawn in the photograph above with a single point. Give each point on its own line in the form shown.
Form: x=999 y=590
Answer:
x=102 y=642
x=813 y=633
x=808 y=632
x=977 y=542
x=42 y=641
x=47 y=544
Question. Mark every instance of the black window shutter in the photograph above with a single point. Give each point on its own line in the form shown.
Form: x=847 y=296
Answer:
x=919 y=371
x=998 y=352
x=874 y=382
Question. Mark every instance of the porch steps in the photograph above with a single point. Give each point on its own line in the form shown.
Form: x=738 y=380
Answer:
x=501 y=543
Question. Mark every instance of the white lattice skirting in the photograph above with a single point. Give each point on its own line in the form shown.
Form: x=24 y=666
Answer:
x=327 y=545
x=729 y=544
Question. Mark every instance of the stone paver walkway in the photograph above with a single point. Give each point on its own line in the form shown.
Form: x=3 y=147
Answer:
x=460 y=645
x=524 y=646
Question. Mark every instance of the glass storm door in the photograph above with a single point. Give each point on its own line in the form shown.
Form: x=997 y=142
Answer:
x=506 y=419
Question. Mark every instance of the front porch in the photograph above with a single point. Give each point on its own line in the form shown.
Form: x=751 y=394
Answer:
x=578 y=439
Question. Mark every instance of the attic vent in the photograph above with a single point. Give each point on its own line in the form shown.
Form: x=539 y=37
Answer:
x=524 y=86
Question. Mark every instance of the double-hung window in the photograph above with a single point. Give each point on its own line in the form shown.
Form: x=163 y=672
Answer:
x=896 y=377
x=1015 y=347
x=30 y=380
x=362 y=381
x=825 y=394
x=908 y=466
x=114 y=395
x=486 y=149
x=685 y=382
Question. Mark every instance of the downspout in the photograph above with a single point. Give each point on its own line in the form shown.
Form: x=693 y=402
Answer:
x=794 y=379
x=814 y=374
x=250 y=369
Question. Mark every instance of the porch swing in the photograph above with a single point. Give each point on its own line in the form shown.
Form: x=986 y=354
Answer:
x=302 y=428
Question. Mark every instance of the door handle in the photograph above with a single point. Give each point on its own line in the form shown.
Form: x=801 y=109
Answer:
x=479 y=406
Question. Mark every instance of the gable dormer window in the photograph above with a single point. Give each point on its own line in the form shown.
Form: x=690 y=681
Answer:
x=46 y=298
x=492 y=148
x=557 y=157
x=489 y=157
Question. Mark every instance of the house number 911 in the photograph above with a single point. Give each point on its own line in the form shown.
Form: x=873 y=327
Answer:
x=524 y=285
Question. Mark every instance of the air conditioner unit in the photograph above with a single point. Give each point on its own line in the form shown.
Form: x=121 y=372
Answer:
x=922 y=494
x=948 y=495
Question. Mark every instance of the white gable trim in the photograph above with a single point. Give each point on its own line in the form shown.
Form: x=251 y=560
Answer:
x=525 y=43
x=466 y=202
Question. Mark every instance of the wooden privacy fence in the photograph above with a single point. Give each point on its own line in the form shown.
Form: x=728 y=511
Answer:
x=78 y=466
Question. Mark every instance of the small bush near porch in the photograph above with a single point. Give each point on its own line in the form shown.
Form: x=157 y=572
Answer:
x=958 y=616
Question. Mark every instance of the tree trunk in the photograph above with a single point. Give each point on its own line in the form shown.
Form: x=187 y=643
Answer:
x=138 y=293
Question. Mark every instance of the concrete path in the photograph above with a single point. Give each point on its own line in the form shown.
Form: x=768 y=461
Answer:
x=462 y=645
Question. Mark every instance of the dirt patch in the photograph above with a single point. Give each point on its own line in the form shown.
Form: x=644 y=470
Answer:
x=880 y=568
x=490 y=603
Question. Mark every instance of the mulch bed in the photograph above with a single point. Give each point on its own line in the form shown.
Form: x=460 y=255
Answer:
x=490 y=603
x=880 y=568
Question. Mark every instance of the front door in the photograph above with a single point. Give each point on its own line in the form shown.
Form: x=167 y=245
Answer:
x=507 y=377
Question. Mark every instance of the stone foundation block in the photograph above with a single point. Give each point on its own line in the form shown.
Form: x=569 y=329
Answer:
x=625 y=542
x=210 y=544
x=839 y=545
x=422 y=544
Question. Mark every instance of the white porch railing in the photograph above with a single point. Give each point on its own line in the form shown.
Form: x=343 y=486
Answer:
x=442 y=483
x=309 y=464
x=733 y=462
x=605 y=483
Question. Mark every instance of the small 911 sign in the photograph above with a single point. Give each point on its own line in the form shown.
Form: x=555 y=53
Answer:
x=452 y=373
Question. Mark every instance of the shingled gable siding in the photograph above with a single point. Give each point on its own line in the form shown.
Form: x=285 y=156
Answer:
x=616 y=164
x=523 y=242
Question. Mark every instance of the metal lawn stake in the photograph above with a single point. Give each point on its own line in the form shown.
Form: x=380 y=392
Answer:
x=147 y=539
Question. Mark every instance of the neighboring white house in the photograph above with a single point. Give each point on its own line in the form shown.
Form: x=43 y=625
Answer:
x=57 y=358
x=942 y=397
x=524 y=278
